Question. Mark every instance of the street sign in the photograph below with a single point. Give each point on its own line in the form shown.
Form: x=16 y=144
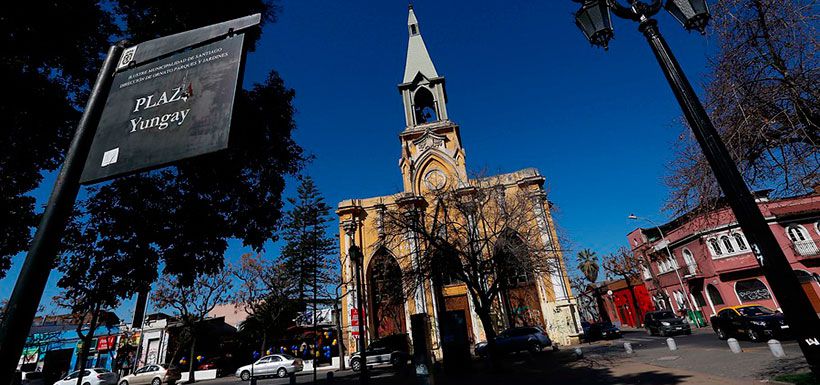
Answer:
x=170 y=109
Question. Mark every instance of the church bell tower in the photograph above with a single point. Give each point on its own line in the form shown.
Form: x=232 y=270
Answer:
x=432 y=155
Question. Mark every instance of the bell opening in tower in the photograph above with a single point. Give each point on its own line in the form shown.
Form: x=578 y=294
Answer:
x=424 y=106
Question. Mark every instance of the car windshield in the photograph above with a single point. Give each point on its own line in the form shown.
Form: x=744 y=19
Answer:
x=664 y=315
x=753 y=311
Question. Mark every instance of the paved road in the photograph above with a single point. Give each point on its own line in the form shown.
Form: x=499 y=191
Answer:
x=703 y=352
x=701 y=358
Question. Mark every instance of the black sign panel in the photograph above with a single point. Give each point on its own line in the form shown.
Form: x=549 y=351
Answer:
x=170 y=109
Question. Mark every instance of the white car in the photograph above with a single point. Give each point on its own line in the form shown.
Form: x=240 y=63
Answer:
x=153 y=374
x=92 y=376
x=280 y=365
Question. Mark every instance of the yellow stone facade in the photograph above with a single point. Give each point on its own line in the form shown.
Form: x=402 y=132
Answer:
x=433 y=159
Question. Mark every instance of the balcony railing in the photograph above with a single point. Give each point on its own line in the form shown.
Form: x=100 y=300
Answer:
x=806 y=248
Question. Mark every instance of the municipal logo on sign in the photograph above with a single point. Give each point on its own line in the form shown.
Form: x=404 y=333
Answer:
x=127 y=57
x=166 y=110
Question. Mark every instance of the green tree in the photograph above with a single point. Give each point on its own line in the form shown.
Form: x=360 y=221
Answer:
x=588 y=264
x=308 y=247
x=51 y=51
x=589 y=267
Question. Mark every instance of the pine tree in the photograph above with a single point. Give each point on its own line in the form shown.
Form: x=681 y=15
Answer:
x=308 y=247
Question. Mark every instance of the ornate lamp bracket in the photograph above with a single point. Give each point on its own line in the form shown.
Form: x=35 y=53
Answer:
x=637 y=9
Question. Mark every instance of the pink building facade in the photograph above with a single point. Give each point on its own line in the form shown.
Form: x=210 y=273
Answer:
x=712 y=265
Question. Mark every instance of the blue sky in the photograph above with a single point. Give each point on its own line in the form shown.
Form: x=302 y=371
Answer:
x=522 y=82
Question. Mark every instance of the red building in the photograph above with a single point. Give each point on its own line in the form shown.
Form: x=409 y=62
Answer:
x=616 y=299
x=712 y=265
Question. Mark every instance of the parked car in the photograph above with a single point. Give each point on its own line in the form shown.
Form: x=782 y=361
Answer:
x=279 y=365
x=154 y=374
x=532 y=339
x=755 y=322
x=91 y=376
x=393 y=350
x=600 y=330
x=220 y=364
x=665 y=323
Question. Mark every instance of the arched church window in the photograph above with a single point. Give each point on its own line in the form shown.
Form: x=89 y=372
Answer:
x=425 y=106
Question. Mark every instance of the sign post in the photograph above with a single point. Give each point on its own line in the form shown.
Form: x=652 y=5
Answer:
x=154 y=103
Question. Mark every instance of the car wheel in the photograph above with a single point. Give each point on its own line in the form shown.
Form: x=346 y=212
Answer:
x=282 y=373
x=156 y=381
x=721 y=334
x=356 y=364
x=397 y=362
x=535 y=347
x=649 y=331
x=245 y=375
x=123 y=382
x=86 y=383
x=753 y=335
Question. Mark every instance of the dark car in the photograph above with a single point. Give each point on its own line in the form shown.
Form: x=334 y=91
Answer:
x=754 y=322
x=393 y=350
x=600 y=331
x=532 y=339
x=665 y=323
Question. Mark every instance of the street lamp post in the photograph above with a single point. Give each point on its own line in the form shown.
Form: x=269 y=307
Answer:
x=594 y=21
x=358 y=260
x=674 y=265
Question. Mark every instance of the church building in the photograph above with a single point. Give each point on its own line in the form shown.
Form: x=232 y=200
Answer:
x=433 y=159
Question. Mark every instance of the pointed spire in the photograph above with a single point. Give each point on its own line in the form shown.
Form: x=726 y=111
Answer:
x=418 y=60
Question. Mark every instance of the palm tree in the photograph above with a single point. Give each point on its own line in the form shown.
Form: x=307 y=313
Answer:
x=588 y=264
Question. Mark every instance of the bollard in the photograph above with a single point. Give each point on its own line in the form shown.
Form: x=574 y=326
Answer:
x=579 y=353
x=253 y=380
x=292 y=378
x=628 y=347
x=734 y=345
x=776 y=348
x=670 y=342
x=329 y=377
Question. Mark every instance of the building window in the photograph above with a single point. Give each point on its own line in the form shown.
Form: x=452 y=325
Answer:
x=751 y=290
x=521 y=277
x=804 y=276
x=690 y=261
x=646 y=273
x=726 y=242
x=741 y=244
x=797 y=233
x=679 y=299
x=713 y=244
x=698 y=296
x=714 y=295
